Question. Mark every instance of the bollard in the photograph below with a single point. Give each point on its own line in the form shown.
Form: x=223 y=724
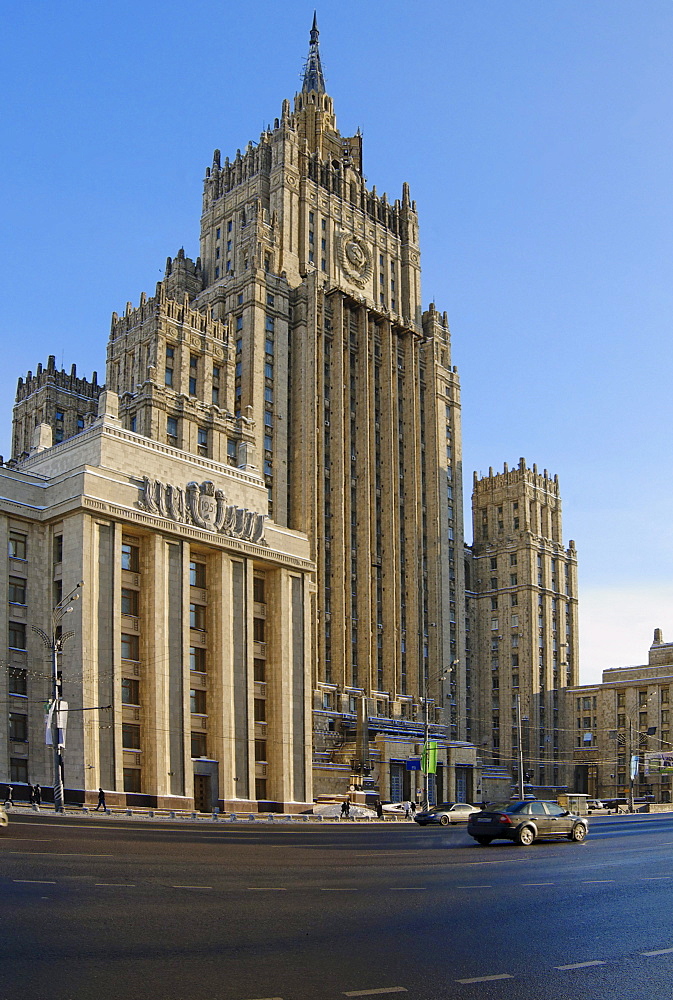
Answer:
x=252 y=817
x=214 y=814
x=129 y=812
x=172 y=814
x=270 y=817
x=194 y=815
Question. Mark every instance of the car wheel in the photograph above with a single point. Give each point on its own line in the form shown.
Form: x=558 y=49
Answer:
x=444 y=820
x=483 y=841
x=578 y=833
x=526 y=836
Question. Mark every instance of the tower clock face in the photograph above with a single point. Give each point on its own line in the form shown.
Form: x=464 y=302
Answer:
x=355 y=258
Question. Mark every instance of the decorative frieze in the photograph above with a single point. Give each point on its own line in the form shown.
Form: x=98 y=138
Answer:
x=203 y=505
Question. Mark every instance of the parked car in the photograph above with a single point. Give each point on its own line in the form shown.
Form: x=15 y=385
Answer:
x=524 y=822
x=594 y=804
x=3 y=817
x=446 y=813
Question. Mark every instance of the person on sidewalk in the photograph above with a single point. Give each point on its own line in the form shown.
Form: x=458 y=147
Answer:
x=9 y=798
x=37 y=795
x=101 y=800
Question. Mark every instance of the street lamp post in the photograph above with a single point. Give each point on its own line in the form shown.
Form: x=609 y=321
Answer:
x=54 y=643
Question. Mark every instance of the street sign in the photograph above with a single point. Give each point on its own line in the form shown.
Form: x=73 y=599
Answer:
x=413 y=764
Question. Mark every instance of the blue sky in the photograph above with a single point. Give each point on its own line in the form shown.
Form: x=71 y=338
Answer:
x=536 y=137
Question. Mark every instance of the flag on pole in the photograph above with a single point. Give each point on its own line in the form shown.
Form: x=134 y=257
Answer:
x=429 y=758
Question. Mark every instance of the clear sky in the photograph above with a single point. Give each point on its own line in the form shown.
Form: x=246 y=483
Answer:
x=537 y=139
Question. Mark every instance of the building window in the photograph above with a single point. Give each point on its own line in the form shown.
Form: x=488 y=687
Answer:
x=258 y=590
x=130 y=691
x=197 y=616
x=130 y=737
x=130 y=557
x=202 y=441
x=199 y=747
x=197 y=701
x=18 y=727
x=260 y=750
x=268 y=346
x=132 y=779
x=172 y=430
x=130 y=599
x=258 y=629
x=17 y=590
x=197 y=659
x=18 y=545
x=259 y=709
x=17 y=681
x=130 y=646
x=17 y=635
x=260 y=789
x=18 y=770
x=231 y=450
x=197 y=574
x=260 y=670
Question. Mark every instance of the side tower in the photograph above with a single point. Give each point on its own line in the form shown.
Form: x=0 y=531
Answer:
x=525 y=592
x=64 y=401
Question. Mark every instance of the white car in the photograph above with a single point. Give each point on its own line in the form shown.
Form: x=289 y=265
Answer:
x=3 y=816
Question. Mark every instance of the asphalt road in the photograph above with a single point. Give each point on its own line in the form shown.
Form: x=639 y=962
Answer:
x=105 y=908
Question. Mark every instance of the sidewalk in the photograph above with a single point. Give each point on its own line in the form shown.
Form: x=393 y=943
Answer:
x=163 y=815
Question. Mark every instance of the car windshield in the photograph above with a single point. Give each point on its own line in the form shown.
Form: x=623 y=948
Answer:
x=441 y=808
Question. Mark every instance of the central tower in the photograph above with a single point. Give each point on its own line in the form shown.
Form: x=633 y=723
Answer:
x=303 y=352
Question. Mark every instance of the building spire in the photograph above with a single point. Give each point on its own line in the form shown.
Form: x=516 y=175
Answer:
x=313 y=77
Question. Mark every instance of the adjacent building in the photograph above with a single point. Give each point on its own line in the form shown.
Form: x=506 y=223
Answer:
x=622 y=729
x=523 y=594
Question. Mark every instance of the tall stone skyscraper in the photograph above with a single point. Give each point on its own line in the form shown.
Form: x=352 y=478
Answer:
x=524 y=589
x=271 y=544
x=297 y=344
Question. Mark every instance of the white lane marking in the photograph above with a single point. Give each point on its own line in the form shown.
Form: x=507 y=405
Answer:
x=370 y=993
x=537 y=883
x=655 y=878
x=123 y=885
x=662 y=951
x=60 y=854
x=191 y=887
x=578 y=965
x=34 y=881
x=474 y=887
x=596 y=881
x=485 y=979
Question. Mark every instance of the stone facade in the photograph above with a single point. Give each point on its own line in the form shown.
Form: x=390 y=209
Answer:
x=188 y=671
x=523 y=595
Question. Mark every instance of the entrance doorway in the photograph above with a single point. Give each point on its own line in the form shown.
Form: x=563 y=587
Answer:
x=202 y=793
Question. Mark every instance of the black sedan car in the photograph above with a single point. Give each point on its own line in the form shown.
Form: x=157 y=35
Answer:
x=524 y=822
x=446 y=813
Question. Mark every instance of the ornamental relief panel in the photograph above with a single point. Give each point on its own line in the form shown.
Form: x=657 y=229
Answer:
x=203 y=505
x=355 y=258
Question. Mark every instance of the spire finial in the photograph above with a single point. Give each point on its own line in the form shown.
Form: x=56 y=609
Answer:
x=313 y=75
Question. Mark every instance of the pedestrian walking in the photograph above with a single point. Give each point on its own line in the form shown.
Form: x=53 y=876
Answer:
x=37 y=794
x=31 y=795
x=407 y=810
x=101 y=800
x=413 y=809
x=9 y=798
x=379 y=809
